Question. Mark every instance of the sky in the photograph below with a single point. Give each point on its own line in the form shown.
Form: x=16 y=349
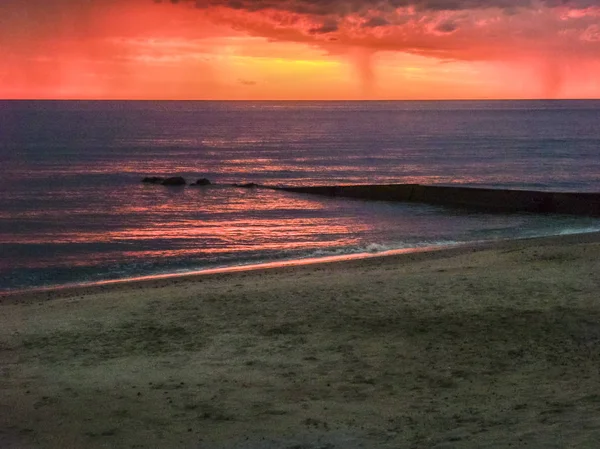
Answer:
x=299 y=49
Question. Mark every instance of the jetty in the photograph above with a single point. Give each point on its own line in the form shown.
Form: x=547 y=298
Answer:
x=473 y=198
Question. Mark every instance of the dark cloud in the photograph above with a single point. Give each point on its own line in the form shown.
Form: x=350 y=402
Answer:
x=375 y=22
x=447 y=26
x=347 y=7
x=329 y=26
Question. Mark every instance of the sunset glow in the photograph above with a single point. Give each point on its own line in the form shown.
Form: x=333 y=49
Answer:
x=299 y=49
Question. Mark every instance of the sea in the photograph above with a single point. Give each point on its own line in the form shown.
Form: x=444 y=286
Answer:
x=73 y=209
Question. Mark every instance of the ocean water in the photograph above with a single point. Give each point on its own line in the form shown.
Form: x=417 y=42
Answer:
x=73 y=209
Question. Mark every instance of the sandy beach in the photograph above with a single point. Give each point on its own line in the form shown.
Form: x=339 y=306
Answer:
x=485 y=347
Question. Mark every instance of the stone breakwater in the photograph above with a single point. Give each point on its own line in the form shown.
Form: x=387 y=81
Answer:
x=493 y=200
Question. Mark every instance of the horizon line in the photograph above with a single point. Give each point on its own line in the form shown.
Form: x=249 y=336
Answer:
x=350 y=100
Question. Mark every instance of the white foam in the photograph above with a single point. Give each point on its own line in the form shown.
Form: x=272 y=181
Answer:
x=579 y=230
x=377 y=248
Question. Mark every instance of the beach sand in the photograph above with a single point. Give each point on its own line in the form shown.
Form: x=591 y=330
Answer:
x=487 y=347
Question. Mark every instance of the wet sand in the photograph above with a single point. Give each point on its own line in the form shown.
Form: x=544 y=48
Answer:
x=489 y=347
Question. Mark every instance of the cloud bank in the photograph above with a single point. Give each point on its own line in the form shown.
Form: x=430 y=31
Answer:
x=199 y=42
x=552 y=34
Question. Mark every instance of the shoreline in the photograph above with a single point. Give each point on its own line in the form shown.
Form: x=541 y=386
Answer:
x=193 y=274
x=58 y=291
x=490 y=346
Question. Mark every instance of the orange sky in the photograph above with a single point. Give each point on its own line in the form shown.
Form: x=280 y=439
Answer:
x=299 y=49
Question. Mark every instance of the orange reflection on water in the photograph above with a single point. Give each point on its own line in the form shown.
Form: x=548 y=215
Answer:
x=257 y=230
x=266 y=246
x=215 y=236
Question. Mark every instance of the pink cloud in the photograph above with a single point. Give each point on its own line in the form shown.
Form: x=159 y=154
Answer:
x=552 y=35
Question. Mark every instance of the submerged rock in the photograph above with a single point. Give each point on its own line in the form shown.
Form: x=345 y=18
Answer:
x=174 y=181
x=249 y=185
x=153 y=179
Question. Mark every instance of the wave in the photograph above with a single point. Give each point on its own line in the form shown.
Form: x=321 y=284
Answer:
x=377 y=248
x=572 y=231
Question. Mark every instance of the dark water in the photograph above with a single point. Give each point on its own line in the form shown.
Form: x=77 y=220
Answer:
x=72 y=208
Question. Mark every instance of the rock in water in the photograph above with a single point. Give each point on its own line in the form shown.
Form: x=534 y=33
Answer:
x=202 y=182
x=174 y=181
x=249 y=185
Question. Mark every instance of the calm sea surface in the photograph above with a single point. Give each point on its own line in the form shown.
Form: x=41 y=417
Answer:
x=72 y=208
